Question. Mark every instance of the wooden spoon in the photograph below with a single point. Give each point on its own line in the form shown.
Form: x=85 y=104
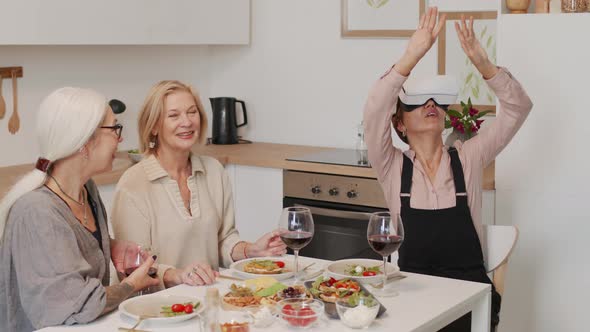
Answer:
x=14 y=122
x=2 y=103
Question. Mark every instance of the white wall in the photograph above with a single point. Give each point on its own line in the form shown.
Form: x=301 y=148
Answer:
x=542 y=177
x=303 y=83
x=122 y=72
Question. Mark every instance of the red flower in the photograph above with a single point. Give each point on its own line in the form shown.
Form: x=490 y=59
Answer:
x=473 y=111
x=478 y=123
x=474 y=129
x=460 y=128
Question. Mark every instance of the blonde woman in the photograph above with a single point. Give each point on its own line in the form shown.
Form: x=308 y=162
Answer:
x=177 y=202
x=55 y=246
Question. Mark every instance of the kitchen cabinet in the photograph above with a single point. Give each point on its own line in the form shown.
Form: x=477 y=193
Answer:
x=129 y=22
x=542 y=175
x=258 y=199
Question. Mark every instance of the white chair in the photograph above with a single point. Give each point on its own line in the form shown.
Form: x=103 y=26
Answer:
x=500 y=241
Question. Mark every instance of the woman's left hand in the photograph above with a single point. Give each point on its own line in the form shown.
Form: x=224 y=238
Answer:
x=270 y=244
x=473 y=49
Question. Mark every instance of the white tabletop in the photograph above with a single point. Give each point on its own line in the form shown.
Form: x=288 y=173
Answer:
x=424 y=303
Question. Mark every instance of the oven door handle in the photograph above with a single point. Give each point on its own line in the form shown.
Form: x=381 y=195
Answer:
x=364 y=216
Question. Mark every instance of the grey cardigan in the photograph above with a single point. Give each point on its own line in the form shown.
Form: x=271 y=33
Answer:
x=52 y=271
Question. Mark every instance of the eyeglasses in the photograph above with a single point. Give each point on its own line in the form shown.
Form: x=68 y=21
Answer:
x=118 y=129
x=410 y=108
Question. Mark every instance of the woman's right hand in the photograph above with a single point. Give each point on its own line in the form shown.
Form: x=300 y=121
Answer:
x=139 y=279
x=422 y=40
x=196 y=274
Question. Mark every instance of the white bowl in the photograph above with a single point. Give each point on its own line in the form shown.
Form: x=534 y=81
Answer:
x=135 y=157
x=359 y=316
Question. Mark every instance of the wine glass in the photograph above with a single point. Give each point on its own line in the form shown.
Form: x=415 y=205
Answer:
x=385 y=234
x=296 y=230
x=135 y=255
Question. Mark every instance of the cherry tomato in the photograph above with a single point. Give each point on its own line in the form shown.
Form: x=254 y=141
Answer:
x=177 y=307
x=331 y=281
x=288 y=310
x=188 y=308
x=280 y=264
x=307 y=317
x=369 y=273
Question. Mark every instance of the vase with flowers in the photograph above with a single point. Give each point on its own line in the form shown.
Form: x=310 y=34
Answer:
x=465 y=123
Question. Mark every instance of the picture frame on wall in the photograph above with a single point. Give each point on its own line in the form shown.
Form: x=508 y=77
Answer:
x=452 y=60
x=380 y=18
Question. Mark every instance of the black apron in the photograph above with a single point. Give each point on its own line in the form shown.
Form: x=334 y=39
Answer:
x=443 y=242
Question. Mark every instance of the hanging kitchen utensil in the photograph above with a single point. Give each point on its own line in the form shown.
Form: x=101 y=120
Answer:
x=2 y=103
x=14 y=122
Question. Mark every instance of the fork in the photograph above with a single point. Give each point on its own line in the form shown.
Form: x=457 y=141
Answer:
x=132 y=329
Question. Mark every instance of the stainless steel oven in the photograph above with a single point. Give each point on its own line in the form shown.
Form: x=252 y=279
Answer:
x=341 y=206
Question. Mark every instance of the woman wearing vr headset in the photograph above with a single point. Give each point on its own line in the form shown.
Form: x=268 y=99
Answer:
x=438 y=189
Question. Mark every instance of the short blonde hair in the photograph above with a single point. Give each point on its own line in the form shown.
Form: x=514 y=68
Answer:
x=151 y=113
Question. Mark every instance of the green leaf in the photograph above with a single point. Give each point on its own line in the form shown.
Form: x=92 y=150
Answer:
x=469 y=102
x=468 y=78
x=475 y=92
x=483 y=32
x=454 y=113
x=481 y=114
x=447 y=124
x=463 y=104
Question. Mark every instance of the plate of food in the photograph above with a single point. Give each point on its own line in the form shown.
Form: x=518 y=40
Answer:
x=260 y=291
x=331 y=290
x=360 y=269
x=161 y=308
x=275 y=267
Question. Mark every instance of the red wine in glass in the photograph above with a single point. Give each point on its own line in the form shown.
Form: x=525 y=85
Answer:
x=296 y=230
x=296 y=240
x=385 y=234
x=385 y=245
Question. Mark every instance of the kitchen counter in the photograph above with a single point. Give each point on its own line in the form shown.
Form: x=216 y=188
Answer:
x=269 y=155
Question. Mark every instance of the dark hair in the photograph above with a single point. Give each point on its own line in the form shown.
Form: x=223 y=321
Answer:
x=398 y=118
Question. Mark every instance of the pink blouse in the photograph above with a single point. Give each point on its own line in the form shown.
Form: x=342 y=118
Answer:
x=475 y=154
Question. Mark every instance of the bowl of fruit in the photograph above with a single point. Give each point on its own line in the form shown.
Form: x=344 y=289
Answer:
x=300 y=313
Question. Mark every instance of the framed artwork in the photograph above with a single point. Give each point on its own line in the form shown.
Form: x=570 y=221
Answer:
x=452 y=59
x=380 y=18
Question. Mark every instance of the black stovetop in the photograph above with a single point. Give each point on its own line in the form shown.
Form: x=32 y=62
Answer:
x=344 y=157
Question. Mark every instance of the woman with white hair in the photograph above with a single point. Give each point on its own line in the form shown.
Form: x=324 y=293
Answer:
x=437 y=189
x=54 y=242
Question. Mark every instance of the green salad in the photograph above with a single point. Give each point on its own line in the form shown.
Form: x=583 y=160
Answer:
x=360 y=271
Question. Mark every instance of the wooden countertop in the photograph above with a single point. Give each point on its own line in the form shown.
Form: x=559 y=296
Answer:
x=269 y=155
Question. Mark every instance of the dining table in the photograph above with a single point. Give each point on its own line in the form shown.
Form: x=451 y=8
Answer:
x=424 y=303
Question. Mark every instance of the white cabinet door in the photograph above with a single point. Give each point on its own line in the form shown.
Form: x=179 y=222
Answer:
x=258 y=199
x=128 y=22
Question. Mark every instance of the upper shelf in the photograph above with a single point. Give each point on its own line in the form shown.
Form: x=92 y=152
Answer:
x=129 y=22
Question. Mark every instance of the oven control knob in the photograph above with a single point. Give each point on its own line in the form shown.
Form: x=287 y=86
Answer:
x=334 y=191
x=351 y=194
x=316 y=190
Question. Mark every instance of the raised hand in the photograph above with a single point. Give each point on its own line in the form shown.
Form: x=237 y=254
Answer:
x=422 y=40
x=473 y=49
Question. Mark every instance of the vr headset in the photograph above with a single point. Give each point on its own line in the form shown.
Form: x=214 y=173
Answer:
x=442 y=89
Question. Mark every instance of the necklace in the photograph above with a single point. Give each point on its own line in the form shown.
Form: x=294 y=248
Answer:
x=82 y=204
